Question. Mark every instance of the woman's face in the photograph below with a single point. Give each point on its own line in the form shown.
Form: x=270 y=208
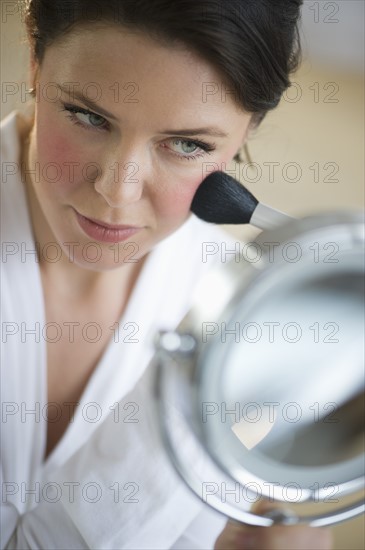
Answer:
x=134 y=156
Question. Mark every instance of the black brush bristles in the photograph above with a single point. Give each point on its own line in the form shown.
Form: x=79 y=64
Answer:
x=222 y=199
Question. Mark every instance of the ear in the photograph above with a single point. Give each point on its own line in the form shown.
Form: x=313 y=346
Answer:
x=33 y=71
x=243 y=150
x=243 y=154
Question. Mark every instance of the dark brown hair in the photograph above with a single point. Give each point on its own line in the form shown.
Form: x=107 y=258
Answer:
x=254 y=44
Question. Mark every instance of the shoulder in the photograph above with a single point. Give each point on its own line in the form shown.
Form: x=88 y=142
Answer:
x=10 y=138
x=16 y=229
x=13 y=129
x=10 y=148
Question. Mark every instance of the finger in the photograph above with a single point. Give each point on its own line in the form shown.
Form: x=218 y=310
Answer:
x=263 y=506
x=279 y=537
x=238 y=536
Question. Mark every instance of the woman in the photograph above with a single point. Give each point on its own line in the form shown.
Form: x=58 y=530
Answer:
x=133 y=102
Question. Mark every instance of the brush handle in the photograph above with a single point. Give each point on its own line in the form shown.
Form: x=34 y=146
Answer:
x=266 y=217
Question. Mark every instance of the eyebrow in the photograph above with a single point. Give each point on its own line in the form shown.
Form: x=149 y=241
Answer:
x=86 y=101
x=212 y=131
x=209 y=131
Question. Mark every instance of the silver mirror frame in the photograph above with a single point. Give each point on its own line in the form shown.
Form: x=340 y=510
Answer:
x=180 y=353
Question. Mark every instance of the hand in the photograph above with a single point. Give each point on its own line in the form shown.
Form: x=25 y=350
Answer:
x=236 y=536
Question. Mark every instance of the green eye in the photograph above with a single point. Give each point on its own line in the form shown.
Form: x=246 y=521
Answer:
x=85 y=118
x=96 y=120
x=191 y=149
x=186 y=146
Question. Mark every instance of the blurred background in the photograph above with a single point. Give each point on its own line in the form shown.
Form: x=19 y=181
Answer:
x=307 y=156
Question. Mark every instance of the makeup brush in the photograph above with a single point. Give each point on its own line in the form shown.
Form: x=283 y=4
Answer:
x=222 y=199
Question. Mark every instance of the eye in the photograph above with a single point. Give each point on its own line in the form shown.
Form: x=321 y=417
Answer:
x=94 y=119
x=188 y=147
x=85 y=118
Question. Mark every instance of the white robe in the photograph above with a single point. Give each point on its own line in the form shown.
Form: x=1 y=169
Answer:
x=108 y=482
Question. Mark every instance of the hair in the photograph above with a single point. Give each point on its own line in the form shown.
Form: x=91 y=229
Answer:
x=253 y=44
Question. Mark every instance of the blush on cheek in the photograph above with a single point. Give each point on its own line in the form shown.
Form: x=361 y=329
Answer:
x=60 y=163
x=176 y=204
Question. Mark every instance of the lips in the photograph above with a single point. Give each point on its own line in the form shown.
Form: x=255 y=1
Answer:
x=109 y=225
x=105 y=232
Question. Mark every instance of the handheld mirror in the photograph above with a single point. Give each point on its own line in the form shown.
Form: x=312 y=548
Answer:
x=263 y=379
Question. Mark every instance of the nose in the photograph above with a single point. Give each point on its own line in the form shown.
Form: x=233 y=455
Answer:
x=121 y=181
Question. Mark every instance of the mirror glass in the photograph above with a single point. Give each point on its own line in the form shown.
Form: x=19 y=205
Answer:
x=282 y=379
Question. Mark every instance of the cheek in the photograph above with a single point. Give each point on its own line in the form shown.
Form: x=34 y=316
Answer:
x=61 y=162
x=173 y=203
